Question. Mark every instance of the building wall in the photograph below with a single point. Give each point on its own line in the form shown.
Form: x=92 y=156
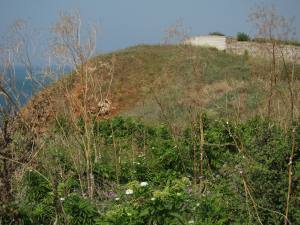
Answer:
x=218 y=42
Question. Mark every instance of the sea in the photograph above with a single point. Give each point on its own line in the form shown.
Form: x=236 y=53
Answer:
x=20 y=87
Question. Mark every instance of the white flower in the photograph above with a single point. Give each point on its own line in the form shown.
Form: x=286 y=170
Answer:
x=198 y=204
x=191 y=221
x=143 y=184
x=117 y=199
x=62 y=199
x=129 y=192
x=152 y=199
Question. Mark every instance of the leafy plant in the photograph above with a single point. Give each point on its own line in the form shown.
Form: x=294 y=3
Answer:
x=241 y=36
x=149 y=179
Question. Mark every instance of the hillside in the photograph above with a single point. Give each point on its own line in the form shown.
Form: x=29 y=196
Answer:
x=156 y=83
x=157 y=135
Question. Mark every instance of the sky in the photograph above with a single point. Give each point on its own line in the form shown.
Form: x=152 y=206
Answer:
x=131 y=22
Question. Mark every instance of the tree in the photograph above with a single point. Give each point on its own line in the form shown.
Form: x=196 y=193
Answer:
x=75 y=47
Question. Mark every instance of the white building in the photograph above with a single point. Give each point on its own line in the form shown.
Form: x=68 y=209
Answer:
x=216 y=41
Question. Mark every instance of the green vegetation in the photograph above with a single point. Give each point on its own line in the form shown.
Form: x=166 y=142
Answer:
x=146 y=175
x=163 y=134
x=191 y=140
x=241 y=36
x=216 y=33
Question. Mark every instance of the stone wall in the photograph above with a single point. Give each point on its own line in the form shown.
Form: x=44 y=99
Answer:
x=264 y=50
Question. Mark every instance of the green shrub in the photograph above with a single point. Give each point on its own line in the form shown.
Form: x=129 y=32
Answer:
x=148 y=204
x=136 y=153
x=79 y=210
x=241 y=36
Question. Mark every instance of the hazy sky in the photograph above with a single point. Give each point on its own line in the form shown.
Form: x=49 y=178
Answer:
x=128 y=22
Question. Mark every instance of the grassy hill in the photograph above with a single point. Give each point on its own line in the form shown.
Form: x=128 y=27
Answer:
x=159 y=82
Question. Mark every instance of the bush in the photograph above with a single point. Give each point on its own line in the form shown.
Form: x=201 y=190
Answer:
x=147 y=204
x=79 y=210
x=241 y=36
x=148 y=178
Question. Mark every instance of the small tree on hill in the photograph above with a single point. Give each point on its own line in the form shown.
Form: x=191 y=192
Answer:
x=89 y=97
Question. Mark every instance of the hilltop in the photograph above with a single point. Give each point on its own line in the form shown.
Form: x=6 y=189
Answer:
x=157 y=83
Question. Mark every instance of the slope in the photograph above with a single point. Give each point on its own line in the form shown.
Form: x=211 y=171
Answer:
x=164 y=83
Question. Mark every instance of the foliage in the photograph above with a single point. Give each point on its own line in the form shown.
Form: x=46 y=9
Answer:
x=168 y=204
x=79 y=210
x=145 y=175
x=241 y=36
